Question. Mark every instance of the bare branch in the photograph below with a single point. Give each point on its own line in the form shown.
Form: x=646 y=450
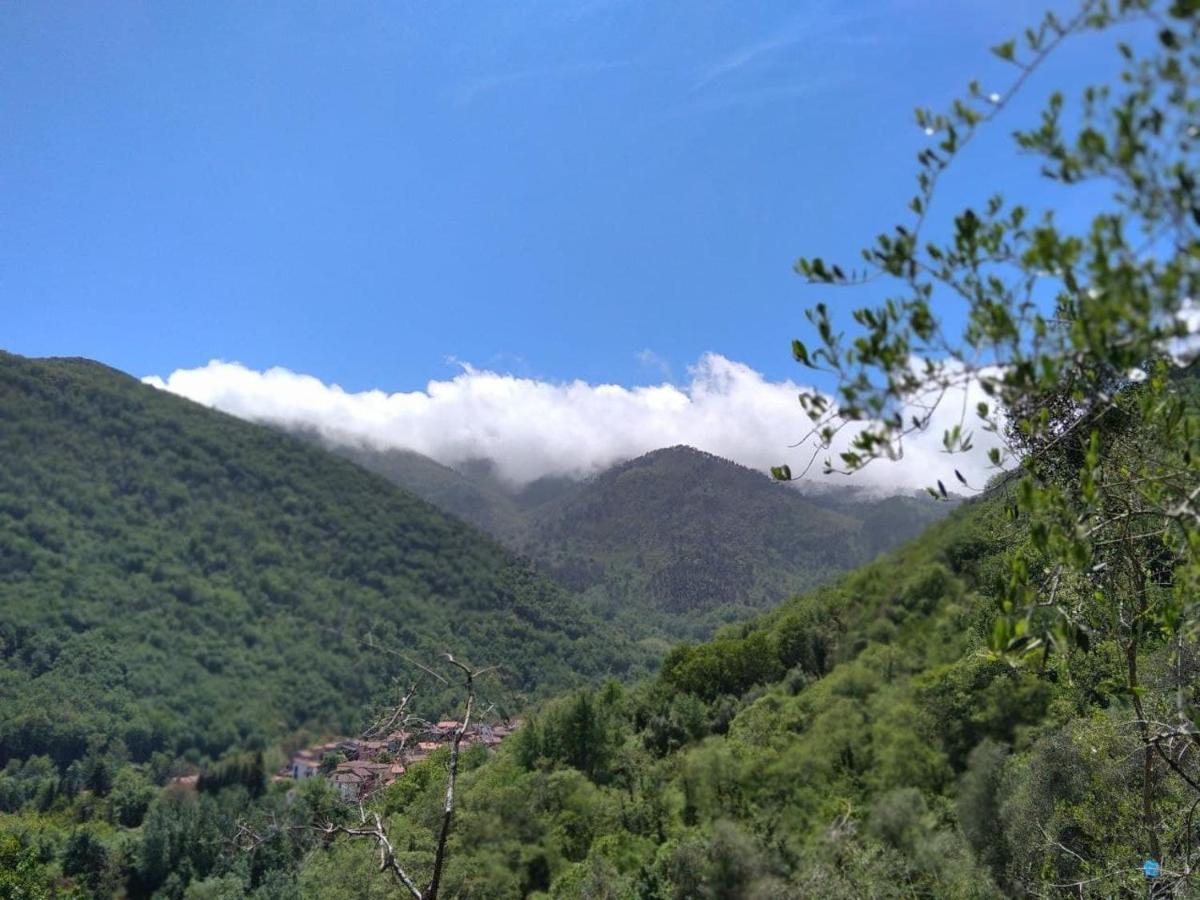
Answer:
x=387 y=853
x=392 y=716
x=371 y=825
x=452 y=775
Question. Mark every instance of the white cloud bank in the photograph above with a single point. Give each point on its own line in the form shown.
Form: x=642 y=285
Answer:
x=533 y=428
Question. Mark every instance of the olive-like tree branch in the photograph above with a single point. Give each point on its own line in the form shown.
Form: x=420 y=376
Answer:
x=1079 y=343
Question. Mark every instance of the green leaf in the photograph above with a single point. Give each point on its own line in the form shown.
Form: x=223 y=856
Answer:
x=999 y=634
x=800 y=352
x=1006 y=51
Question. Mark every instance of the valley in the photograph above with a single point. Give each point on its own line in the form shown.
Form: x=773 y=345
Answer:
x=672 y=544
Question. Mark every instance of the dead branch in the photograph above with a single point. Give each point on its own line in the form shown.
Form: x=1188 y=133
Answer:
x=371 y=825
x=375 y=830
x=452 y=776
x=392 y=716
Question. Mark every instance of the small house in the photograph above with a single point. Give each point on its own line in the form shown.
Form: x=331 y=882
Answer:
x=305 y=764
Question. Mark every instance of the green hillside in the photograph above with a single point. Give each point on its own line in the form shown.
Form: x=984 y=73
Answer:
x=858 y=741
x=174 y=580
x=829 y=748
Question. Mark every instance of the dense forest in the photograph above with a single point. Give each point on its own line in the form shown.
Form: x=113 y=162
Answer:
x=857 y=741
x=860 y=740
x=185 y=592
x=157 y=559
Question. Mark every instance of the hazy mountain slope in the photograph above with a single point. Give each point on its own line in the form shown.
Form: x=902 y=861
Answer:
x=887 y=522
x=693 y=534
x=474 y=491
x=477 y=501
x=676 y=541
x=176 y=578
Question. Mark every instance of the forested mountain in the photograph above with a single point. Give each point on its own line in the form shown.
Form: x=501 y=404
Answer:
x=1006 y=706
x=855 y=741
x=676 y=541
x=174 y=580
x=181 y=587
x=701 y=538
x=473 y=491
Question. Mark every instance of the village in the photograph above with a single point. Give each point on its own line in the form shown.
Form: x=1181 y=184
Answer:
x=357 y=767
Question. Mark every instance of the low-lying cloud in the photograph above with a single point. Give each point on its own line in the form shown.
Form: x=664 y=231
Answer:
x=532 y=428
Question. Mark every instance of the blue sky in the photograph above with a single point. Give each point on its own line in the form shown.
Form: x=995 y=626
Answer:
x=590 y=189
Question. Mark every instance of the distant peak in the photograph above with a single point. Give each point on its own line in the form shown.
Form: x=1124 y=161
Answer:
x=684 y=456
x=677 y=450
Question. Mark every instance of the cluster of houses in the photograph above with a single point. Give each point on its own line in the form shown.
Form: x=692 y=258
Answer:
x=367 y=765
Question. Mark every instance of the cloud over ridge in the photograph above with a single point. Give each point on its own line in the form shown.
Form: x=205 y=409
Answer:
x=532 y=428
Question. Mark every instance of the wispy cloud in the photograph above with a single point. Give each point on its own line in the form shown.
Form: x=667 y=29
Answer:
x=816 y=24
x=472 y=89
x=655 y=363
x=755 y=96
x=744 y=56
